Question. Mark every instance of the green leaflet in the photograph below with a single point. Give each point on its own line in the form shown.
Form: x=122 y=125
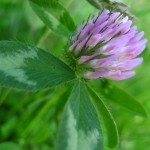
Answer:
x=118 y=95
x=79 y=128
x=26 y=67
x=109 y=122
x=54 y=15
x=9 y=146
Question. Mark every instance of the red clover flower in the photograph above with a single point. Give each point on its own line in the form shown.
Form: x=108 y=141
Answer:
x=107 y=46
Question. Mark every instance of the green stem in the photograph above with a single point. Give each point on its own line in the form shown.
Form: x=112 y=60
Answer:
x=43 y=38
x=4 y=96
x=69 y=3
x=55 y=97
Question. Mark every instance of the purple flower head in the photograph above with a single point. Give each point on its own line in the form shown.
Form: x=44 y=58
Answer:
x=107 y=46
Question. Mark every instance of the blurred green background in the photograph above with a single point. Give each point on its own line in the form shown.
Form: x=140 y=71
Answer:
x=31 y=119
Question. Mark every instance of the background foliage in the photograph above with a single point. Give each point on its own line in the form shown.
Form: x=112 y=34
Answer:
x=31 y=119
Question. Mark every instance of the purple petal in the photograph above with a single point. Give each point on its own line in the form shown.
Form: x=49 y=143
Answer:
x=135 y=50
x=125 y=27
x=137 y=37
x=132 y=32
x=77 y=34
x=86 y=30
x=102 y=17
x=125 y=65
x=94 y=75
x=73 y=45
x=106 y=35
x=118 y=22
x=114 y=45
x=120 y=75
x=113 y=25
x=125 y=19
x=86 y=58
x=94 y=40
x=114 y=63
x=98 y=28
x=81 y=44
x=113 y=17
x=105 y=12
x=122 y=28
x=97 y=63
x=114 y=75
